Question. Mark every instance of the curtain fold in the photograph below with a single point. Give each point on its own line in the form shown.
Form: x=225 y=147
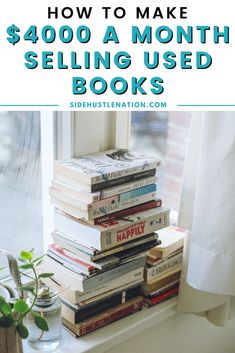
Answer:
x=207 y=211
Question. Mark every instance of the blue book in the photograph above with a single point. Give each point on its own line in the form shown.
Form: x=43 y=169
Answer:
x=138 y=192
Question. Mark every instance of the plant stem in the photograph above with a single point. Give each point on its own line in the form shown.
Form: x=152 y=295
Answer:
x=36 y=290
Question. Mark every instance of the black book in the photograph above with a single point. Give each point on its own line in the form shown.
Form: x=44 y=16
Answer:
x=76 y=314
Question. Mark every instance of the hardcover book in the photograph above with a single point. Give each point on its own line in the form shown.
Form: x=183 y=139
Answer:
x=169 y=293
x=75 y=314
x=105 y=318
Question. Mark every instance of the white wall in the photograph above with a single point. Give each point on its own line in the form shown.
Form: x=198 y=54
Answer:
x=182 y=333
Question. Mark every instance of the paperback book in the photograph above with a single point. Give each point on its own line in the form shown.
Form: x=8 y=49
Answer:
x=105 y=166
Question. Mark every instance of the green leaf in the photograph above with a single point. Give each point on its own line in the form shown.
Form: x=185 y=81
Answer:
x=26 y=266
x=46 y=275
x=2 y=301
x=22 y=331
x=6 y=321
x=26 y=255
x=20 y=306
x=41 y=323
x=6 y=309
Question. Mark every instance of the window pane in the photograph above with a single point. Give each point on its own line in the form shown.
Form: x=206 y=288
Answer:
x=20 y=182
x=163 y=134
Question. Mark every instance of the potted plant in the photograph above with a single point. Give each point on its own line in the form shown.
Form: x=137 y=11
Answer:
x=14 y=308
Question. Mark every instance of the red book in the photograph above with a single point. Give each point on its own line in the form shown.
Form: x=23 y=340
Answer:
x=129 y=211
x=162 y=297
x=105 y=318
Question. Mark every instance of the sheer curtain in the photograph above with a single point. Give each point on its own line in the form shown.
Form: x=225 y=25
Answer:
x=207 y=211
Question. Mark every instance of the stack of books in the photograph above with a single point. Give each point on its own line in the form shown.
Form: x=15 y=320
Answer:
x=163 y=266
x=105 y=221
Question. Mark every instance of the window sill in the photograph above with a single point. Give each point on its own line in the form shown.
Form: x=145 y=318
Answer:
x=104 y=339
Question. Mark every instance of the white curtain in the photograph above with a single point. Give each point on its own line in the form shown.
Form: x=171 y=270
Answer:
x=207 y=211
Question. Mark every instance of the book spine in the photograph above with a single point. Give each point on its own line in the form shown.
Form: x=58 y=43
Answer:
x=138 y=192
x=88 y=301
x=162 y=290
x=128 y=211
x=126 y=196
x=78 y=315
x=162 y=297
x=100 y=211
x=109 y=316
x=133 y=275
x=121 y=189
x=134 y=230
x=153 y=272
x=121 y=180
x=89 y=213
x=148 y=288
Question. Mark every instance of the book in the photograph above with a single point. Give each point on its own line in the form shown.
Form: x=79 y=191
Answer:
x=89 y=197
x=153 y=261
x=99 y=211
x=83 y=283
x=105 y=318
x=58 y=254
x=75 y=314
x=69 y=258
x=148 y=288
x=105 y=166
x=166 y=274
x=150 y=273
x=105 y=184
x=163 y=289
x=82 y=299
x=73 y=211
x=112 y=260
x=167 y=294
x=114 y=256
x=172 y=239
x=112 y=233
x=91 y=254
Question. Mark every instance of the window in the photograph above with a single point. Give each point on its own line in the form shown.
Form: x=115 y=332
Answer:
x=163 y=134
x=26 y=161
x=20 y=181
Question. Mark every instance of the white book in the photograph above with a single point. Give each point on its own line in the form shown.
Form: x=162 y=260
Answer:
x=84 y=283
x=172 y=239
x=81 y=298
x=67 y=278
x=103 y=167
x=165 y=265
x=90 y=197
x=113 y=233
x=74 y=207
